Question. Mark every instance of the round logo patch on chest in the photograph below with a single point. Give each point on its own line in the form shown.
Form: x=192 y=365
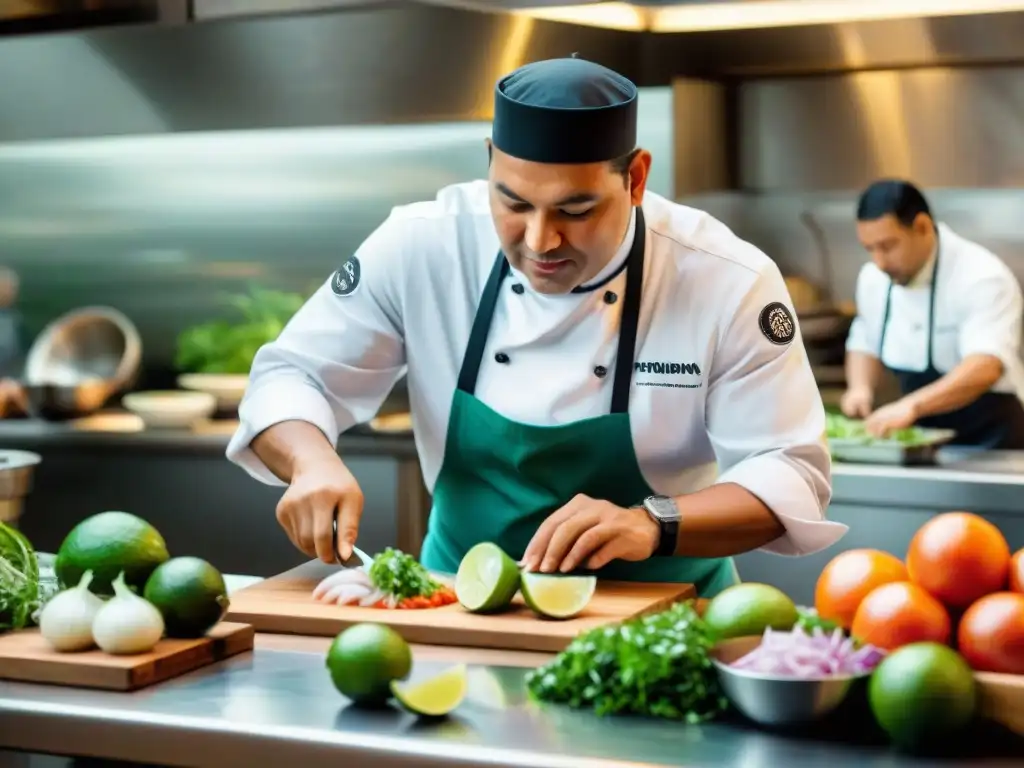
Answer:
x=345 y=281
x=777 y=323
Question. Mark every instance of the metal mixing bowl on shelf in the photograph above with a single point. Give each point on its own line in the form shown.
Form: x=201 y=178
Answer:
x=776 y=700
x=79 y=361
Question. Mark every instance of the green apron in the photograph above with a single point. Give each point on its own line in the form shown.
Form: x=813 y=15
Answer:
x=500 y=479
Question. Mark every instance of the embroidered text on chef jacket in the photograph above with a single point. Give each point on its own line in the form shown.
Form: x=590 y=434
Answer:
x=722 y=388
x=978 y=310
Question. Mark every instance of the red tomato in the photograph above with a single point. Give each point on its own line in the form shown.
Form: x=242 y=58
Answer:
x=991 y=634
x=959 y=557
x=849 y=577
x=900 y=613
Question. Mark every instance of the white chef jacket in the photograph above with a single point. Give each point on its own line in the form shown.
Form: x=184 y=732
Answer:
x=737 y=409
x=978 y=310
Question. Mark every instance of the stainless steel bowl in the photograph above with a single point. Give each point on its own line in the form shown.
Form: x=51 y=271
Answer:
x=774 y=700
x=16 y=471
x=92 y=344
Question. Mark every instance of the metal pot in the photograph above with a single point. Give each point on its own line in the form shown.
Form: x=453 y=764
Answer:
x=16 y=472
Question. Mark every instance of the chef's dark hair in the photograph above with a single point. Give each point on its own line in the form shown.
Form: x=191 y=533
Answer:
x=892 y=196
x=619 y=165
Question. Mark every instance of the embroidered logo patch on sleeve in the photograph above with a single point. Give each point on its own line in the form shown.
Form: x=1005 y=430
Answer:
x=345 y=281
x=777 y=323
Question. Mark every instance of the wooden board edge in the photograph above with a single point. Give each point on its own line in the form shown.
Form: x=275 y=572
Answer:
x=231 y=639
x=1002 y=699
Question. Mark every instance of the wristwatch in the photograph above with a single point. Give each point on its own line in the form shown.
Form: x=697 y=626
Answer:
x=665 y=513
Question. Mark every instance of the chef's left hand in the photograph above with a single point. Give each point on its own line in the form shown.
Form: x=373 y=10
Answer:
x=590 y=533
x=899 y=415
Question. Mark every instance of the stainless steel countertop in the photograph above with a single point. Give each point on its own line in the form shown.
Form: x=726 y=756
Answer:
x=119 y=430
x=279 y=708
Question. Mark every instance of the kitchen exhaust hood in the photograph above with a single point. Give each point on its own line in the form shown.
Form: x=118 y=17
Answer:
x=201 y=65
x=23 y=17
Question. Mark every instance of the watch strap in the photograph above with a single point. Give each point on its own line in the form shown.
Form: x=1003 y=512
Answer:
x=668 y=524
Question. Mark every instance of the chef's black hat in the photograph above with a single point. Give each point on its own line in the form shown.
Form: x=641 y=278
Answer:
x=565 y=111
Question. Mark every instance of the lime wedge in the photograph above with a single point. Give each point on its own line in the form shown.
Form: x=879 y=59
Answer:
x=435 y=697
x=487 y=579
x=557 y=597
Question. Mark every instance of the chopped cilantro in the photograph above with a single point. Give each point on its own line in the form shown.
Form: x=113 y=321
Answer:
x=401 y=575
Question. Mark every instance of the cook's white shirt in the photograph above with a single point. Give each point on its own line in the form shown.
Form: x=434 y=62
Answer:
x=978 y=310
x=748 y=413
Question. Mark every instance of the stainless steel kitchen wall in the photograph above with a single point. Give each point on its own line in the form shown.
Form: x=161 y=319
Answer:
x=805 y=146
x=161 y=226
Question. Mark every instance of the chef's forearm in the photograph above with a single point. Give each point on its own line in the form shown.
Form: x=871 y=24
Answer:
x=863 y=371
x=289 y=445
x=723 y=520
x=973 y=377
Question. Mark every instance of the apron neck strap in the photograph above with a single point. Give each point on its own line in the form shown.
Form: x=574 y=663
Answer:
x=933 y=289
x=629 y=324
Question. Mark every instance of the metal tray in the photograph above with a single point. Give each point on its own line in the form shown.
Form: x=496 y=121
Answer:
x=891 y=452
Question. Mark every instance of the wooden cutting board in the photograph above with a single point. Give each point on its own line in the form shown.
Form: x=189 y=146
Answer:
x=1002 y=699
x=285 y=604
x=26 y=657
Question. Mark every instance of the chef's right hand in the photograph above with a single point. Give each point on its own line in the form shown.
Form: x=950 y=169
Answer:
x=319 y=491
x=857 y=403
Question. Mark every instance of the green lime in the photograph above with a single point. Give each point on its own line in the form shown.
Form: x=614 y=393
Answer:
x=557 y=597
x=435 y=697
x=190 y=593
x=923 y=692
x=365 y=659
x=749 y=609
x=487 y=579
x=106 y=544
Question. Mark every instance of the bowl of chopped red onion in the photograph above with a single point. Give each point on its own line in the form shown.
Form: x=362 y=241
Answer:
x=792 y=678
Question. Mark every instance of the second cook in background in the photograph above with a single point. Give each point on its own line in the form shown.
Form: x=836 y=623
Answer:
x=944 y=315
x=599 y=378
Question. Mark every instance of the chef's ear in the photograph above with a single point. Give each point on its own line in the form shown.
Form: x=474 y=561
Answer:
x=922 y=224
x=490 y=151
x=639 y=171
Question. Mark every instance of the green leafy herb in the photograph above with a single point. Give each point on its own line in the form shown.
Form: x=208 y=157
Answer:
x=19 y=580
x=223 y=346
x=657 y=665
x=809 y=619
x=839 y=427
x=401 y=575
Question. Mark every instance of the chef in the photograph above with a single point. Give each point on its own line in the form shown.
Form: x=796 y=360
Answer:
x=600 y=379
x=941 y=313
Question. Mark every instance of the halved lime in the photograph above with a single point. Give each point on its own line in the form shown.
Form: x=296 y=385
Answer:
x=487 y=580
x=435 y=697
x=557 y=597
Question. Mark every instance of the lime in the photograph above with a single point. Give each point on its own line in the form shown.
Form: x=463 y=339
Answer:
x=435 y=697
x=365 y=659
x=557 y=597
x=106 y=544
x=923 y=692
x=749 y=609
x=190 y=593
x=487 y=579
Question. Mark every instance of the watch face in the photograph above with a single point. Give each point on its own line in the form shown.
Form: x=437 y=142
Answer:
x=663 y=507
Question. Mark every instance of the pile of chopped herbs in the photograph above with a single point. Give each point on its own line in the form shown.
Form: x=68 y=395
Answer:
x=20 y=596
x=401 y=575
x=656 y=665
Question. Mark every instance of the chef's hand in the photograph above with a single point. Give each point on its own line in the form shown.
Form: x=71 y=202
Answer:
x=857 y=403
x=899 y=415
x=591 y=533
x=318 y=491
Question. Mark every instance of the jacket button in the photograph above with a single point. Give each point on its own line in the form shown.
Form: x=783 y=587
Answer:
x=518 y=289
x=600 y=371
x=610 y=297
x=501 y=357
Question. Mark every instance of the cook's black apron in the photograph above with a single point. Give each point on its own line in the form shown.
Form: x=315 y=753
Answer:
x=995 y=420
